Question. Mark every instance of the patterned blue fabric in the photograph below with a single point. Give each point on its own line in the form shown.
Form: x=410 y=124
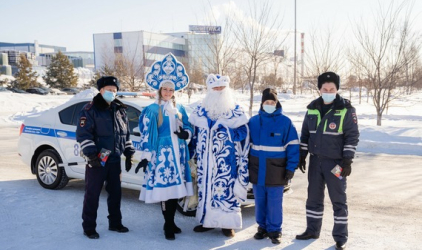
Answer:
x=168 y=173
x=167 y=70
x=221 y=148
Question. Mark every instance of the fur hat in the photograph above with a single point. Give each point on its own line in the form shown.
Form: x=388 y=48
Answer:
x=329 y=77
x=269 y=94
x=106 y=81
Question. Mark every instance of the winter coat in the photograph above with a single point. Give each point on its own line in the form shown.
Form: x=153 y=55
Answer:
x=104 y=126
x=168 y=175
x=274 y=148
x=336 y=135
x=221 y=148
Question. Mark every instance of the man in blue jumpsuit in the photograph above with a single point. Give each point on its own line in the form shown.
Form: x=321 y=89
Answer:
x=330 y=134
x=103 y=125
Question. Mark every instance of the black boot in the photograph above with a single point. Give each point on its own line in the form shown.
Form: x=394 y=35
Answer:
x=261 y=234
x=92 y=234
x=169 y=209
x=169 y=232
x=176 y=229
x=340 y=245
x=275 y=237
x=307 y=235
x=173 y=205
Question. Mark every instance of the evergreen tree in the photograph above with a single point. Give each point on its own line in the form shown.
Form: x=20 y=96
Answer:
x=95 y=77
x=25 y=77
x=60 y=72
x=103 y=71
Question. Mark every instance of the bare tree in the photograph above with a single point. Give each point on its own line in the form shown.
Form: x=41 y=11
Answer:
x=221 y=47
x=325 y=53
x=384 y=52
x=256 y=37
x=127 y=65
x=412 y=72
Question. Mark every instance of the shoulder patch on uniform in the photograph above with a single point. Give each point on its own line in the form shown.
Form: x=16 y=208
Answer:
x=88 y=106
x=355 y=118
x=82 y=121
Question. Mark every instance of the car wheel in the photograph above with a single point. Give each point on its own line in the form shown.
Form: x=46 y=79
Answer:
x=189 y=212
x=49 y=174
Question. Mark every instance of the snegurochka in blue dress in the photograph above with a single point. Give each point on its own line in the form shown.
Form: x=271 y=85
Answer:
x=164 y=129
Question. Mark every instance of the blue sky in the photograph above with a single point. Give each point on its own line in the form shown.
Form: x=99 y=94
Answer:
x=72 y=23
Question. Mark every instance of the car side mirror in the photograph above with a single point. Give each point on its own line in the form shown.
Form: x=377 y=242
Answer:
x=136 y=131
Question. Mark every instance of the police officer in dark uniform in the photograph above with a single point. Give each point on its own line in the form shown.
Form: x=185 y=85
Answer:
x=103 y=126
x=330 y=134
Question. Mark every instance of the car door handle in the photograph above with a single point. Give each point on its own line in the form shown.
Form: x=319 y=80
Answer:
x=62 y=134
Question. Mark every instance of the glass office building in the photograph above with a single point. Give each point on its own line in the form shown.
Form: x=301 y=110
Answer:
x=144 y=48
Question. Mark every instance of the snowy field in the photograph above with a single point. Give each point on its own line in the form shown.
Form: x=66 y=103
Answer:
x=384 y=193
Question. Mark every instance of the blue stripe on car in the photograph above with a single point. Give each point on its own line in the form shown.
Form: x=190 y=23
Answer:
x=63 y=134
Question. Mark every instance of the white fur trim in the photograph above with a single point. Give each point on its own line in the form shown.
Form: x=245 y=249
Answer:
x=146 y=155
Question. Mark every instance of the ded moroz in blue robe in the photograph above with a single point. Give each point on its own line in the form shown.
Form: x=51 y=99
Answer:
x=221 y=148
x=168 y=173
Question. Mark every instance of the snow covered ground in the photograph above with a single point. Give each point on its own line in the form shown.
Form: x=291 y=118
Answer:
x=384 y=193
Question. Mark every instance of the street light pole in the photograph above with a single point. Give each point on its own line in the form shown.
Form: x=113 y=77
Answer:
x=294 y=68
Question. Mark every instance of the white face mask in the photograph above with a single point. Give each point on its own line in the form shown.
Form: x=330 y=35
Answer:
x=109 y=96
x=328 y=97
x=268 y=108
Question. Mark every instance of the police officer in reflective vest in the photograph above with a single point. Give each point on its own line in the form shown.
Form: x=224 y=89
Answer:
x=330 y=134
x=103 y=128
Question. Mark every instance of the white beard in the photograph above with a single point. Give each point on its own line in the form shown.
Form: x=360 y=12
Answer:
x=218 y=103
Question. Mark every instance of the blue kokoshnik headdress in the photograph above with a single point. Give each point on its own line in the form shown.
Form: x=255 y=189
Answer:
x=169 y=70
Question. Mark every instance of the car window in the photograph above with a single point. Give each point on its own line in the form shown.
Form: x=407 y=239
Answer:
x=133 y=117
x=78 y=108
x=70 y=114
x=66 y=115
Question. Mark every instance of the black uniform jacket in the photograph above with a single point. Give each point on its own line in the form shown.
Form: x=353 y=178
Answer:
x=104 y=126
x=335 y=136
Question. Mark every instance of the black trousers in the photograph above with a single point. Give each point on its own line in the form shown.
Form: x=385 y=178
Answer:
x=319 y=175
x=95 y=178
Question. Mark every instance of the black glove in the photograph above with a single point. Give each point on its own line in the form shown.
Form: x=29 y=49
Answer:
x=302 y=163
x=346 y=165
x=289 y=175
x=143 y=164
x=128 y=163
x=94 y=162
x=182 y=134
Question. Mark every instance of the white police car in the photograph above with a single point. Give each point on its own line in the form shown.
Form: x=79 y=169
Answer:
x=47 y=143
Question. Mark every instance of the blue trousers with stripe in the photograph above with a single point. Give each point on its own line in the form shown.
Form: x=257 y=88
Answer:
x=319 y=175
x=269 y=207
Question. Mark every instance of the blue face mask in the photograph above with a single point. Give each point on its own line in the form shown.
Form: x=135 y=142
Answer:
x=328 y=97
x=268 y=108
x=109 y=96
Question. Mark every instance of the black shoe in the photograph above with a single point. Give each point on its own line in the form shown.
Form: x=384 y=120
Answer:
x=169 y=232
x=92 y=234
x=119 y=229
x=261 y=234
x=200 y=229
x=176 y=229
x=275 y=237
x=306 y=236
x=228 y=232
x=340 y=245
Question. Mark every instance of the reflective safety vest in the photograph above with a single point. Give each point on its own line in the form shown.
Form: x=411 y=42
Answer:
x=341 y=113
